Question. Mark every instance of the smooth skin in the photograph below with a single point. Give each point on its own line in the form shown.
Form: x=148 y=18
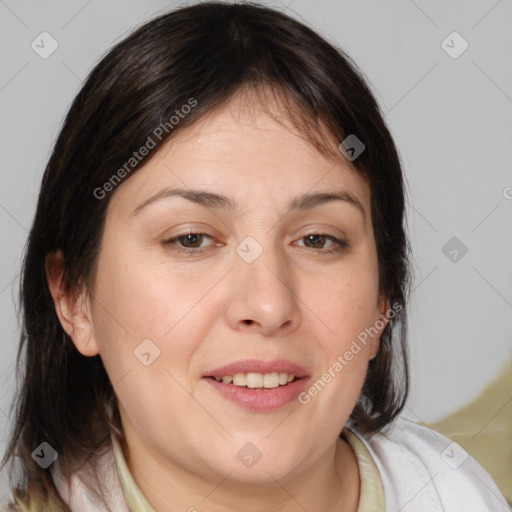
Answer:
x=300 y=300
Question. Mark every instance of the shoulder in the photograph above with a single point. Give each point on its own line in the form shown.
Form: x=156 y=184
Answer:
x=423 y=470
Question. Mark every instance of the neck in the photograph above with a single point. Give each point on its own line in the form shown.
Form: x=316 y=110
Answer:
x=330 y=483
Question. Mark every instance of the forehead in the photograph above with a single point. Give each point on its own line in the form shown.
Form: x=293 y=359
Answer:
x=241 y=151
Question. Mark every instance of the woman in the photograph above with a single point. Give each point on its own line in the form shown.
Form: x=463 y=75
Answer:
x=215 y=284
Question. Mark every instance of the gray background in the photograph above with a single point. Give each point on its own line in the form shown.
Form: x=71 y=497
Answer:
x=451 y=119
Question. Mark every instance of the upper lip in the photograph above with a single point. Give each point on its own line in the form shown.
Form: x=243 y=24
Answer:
x=258 y=366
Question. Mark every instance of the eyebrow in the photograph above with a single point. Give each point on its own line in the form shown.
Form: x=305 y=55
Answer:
x=217 y=201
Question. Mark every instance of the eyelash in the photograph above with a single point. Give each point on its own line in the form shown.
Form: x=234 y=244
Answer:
x=341 y=245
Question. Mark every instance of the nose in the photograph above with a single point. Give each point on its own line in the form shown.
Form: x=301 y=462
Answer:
x=263 y=295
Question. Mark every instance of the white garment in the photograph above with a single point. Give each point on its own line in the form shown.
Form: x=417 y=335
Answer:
x=423 y=471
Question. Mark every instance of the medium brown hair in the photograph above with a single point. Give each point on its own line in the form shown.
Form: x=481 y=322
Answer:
x=209 y=52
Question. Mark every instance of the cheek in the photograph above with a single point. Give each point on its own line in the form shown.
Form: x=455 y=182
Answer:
x=139 y=300
x=347 y=307
x=137 y=297
x=151 y=397
x=346 y=301
x=149 y=325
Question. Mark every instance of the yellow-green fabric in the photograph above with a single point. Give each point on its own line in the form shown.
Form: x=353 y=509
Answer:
x=135 y=500
x=371 y=498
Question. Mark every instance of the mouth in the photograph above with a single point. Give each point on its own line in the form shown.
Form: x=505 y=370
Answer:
x=254 y=380
x=257 y=385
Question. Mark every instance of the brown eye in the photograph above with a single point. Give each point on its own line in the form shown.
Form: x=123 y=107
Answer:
x=188 y=243
x=316 y=240
x=316 y=243
x=193 y=240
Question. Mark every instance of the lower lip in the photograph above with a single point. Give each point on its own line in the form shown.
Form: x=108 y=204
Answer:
x=260 y=399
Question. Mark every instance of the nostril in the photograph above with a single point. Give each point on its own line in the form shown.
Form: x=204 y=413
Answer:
x=248 y=322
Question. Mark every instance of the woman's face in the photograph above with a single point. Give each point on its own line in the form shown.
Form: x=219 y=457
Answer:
x=264 y=286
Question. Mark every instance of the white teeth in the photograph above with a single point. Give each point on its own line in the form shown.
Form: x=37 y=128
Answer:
x=239 y=379
x=271 y=380
x=257 y=380
x=254 y=380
